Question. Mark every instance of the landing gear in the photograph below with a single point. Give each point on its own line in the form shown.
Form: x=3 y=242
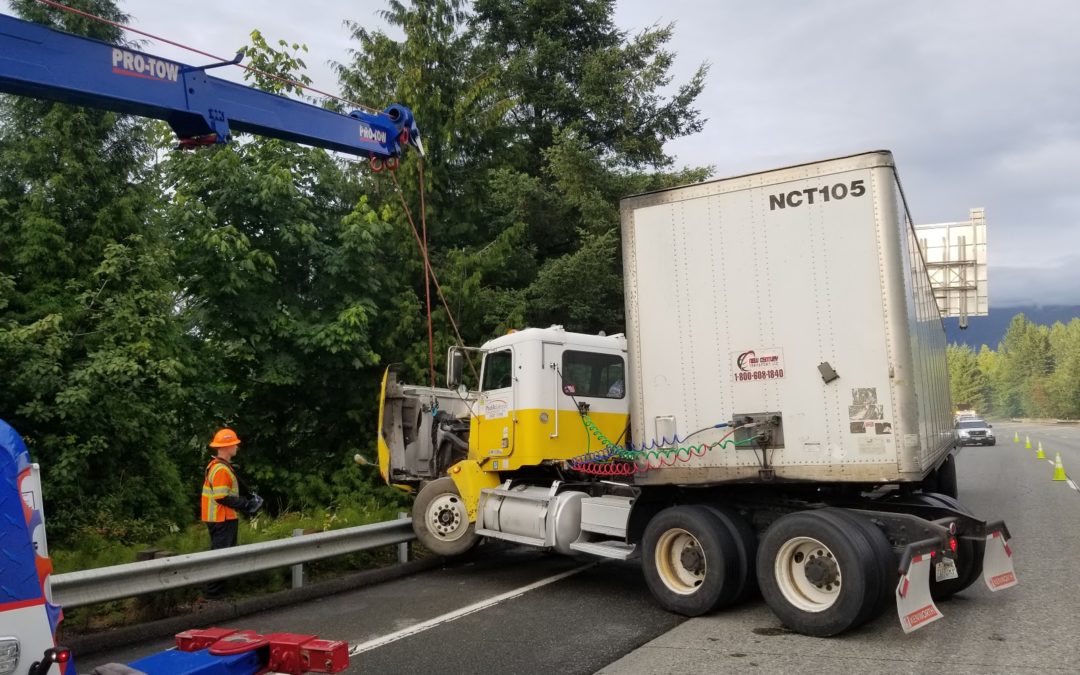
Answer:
x=441 y=521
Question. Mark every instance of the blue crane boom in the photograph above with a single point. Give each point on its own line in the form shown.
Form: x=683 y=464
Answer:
x=44 y=63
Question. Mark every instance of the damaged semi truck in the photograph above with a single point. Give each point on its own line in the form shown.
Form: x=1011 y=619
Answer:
x=776 y=418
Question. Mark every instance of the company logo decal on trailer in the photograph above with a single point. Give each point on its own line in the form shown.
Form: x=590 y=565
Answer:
x=827 y=193
x=758 y=364
x=133 y=64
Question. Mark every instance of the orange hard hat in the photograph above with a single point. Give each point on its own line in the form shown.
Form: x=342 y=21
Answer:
x=225 y=438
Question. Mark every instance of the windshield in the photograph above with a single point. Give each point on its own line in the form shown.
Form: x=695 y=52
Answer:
x=971 y=424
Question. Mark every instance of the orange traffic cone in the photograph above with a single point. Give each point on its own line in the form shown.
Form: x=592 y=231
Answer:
x=1040 y=454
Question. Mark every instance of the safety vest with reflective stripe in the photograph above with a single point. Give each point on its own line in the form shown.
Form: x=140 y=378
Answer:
x=220 y=482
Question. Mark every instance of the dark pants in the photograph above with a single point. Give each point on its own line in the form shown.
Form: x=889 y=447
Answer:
x=222 y=535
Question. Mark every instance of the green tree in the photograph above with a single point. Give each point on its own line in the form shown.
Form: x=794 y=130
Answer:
x=289 y=296
x=568 y=67
x=988 y=363
x=90 y=343
x=967 y=382
x=1025 y=363
x=1064 y=383
x=589 y=118
x=521 y=171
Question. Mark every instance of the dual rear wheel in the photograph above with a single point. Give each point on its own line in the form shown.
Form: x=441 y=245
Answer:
x=822 y=572
x=826 y=571
x=698 y=558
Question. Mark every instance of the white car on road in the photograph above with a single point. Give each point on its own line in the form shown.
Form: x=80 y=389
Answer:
x=974 y=431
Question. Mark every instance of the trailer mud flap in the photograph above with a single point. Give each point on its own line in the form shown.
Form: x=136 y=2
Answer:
x=998 y=570
x=913 y=602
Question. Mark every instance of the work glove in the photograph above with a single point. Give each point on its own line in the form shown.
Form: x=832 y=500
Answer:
x=254 y=503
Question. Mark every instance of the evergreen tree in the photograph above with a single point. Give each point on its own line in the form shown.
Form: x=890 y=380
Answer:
x=1064 y=383
x=1026 y=360
x=967 y=383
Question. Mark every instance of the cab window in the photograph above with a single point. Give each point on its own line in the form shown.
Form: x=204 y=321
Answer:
x=593 y=375
x=498 y=370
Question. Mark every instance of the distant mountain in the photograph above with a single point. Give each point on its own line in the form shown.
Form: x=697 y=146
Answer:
x=988 y=330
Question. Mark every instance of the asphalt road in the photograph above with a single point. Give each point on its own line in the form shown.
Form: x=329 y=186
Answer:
x=518 y=611
x=548 y=614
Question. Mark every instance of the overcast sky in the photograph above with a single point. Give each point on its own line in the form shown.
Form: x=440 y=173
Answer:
x=979 y=100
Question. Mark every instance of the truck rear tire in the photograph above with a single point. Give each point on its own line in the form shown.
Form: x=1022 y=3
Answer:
x=815 y=576
x=969 y=556
x=942 y=480
x=746 y=545
x=441 y=521
x=946 y=478
x=690 y=560
x=885 y=557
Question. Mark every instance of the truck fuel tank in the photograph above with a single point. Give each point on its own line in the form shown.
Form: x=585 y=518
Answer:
x=531 y=514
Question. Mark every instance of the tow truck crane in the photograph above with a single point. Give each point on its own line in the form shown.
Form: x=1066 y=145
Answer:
x=44 y=63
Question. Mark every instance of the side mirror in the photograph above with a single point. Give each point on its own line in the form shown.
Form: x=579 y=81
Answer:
x=455 y=365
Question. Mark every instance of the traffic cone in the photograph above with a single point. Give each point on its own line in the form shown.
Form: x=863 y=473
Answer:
x=1027 y=442
x=1040 y=454
x=1059 y=470
x=1016 y=437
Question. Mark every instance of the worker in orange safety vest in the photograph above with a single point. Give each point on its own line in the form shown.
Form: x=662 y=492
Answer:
x=221 y=500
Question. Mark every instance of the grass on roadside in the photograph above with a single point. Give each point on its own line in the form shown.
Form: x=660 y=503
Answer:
x=92 y=550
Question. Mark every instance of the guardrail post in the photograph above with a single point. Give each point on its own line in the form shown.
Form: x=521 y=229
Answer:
x=298 y=569
x=403 y=547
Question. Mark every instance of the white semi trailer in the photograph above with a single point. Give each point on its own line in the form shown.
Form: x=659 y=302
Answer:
x=776 y=418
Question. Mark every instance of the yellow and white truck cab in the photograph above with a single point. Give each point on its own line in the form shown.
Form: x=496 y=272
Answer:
x=534 y=385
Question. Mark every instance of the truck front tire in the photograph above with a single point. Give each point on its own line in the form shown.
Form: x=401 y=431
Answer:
x=689 y=560
x=441 y=521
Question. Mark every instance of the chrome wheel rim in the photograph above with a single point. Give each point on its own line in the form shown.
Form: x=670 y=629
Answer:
x=808 y=574
x=446 y=517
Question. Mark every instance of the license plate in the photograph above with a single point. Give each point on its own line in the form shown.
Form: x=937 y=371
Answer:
x=945 y=570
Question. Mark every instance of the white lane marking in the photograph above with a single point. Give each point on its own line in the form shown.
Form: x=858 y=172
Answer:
x=464 y=611
x=1071 y=484
x=1051 y=462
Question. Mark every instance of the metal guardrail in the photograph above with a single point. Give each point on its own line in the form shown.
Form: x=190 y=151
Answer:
x=122 y=581
x=1042 y=420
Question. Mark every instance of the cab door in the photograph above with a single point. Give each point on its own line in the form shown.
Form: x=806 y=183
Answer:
x=495 y=418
